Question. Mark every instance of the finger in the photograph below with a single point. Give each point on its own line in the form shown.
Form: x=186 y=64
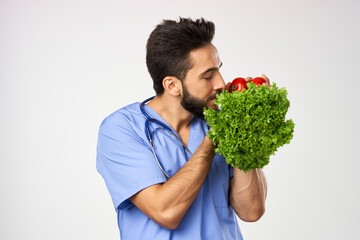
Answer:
x=266 y=79
x=227 y=87
x=266 y=84
x=248 y=79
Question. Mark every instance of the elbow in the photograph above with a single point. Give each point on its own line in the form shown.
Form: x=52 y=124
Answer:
x=252 y=216
x=169 y=224
x=168 y=220
x=250 y=209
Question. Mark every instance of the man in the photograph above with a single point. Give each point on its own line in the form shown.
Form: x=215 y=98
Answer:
x=160 y=168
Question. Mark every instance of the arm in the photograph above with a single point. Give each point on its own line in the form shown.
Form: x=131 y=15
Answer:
x=248 y=190
x=248 y=193
x=167 y=203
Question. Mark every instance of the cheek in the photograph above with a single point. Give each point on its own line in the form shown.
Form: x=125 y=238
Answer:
x=205 y=90
x=202 y=89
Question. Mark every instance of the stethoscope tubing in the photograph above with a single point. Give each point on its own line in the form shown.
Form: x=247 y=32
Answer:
x=148 y=134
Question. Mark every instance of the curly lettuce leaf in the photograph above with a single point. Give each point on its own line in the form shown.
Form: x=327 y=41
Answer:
x=251 y=125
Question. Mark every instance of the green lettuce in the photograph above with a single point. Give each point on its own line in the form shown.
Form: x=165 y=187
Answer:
x=250 y=126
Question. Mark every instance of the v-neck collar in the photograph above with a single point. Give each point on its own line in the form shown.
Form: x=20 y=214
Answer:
x=152 y=113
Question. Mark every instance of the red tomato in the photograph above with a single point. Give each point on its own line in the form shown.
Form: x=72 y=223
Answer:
x=258 y=81
x=238 y=84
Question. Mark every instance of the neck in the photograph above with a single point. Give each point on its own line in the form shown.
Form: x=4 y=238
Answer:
x=170 y=109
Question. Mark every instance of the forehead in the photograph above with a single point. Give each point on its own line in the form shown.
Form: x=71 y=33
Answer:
x=204 y=58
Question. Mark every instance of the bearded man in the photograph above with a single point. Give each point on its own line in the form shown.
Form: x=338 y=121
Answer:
x=165 y=180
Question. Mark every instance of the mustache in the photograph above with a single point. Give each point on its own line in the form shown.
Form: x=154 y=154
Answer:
x=214 y=95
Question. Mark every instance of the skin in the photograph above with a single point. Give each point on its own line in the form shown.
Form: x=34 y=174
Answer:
x=166 y=203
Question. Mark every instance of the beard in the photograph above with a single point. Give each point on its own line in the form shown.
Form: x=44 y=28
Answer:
x=195 y=105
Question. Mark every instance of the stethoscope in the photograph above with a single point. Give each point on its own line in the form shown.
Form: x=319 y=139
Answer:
x=149 y=137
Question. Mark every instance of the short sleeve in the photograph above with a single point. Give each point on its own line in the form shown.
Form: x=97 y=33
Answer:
x=124 y=160
x=231 y=172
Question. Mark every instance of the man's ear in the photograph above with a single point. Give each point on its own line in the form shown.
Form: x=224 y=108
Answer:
x=172 y=85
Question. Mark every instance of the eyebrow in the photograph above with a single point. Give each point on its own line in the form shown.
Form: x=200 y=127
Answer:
x=211 y=69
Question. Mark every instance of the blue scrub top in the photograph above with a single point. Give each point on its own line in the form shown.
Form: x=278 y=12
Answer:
x=127 y=164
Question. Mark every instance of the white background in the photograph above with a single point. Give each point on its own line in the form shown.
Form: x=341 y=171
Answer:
x=66 y=65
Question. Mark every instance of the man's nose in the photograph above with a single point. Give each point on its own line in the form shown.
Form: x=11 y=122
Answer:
x=219 y=82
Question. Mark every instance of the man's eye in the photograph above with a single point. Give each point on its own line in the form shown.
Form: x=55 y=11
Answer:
x=209 y=77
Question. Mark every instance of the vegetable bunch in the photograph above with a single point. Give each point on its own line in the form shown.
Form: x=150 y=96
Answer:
x=251 y=125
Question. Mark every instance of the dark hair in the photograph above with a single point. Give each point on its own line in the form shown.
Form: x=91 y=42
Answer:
x=169 y=45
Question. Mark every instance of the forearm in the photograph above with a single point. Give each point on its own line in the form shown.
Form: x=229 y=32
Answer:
x=181 y=189
x=168 y=202
x=248 y=193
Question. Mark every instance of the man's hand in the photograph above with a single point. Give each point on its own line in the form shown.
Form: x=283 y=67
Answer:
x=249 y=79
x=248 y=190
x=266 y=79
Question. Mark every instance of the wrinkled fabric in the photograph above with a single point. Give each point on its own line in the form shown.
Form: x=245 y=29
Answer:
x=127 y=164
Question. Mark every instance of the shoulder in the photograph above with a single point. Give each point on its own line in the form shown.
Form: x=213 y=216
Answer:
x=126 y=121
x=125 y=116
